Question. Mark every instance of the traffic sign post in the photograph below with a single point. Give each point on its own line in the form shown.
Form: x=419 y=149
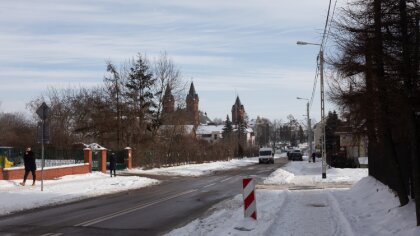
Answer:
x=43 y=135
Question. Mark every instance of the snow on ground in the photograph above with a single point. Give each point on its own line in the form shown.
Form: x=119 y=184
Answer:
x=15 y=197
x=198 y=169
x=373 y=209
x=368 y=208
x=304 y=173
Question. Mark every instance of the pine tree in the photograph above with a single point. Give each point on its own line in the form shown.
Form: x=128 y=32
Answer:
x=332 y=141
x=227 y=129
x=139 y=93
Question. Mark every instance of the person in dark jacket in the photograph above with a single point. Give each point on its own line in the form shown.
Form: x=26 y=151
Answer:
x=30 y=166
x=113 y=164
x=313 y=157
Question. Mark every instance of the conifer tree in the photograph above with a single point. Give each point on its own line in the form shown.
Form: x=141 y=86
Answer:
x=227 y=129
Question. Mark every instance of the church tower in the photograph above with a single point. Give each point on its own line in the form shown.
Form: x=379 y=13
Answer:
x=238 y=112
x=192 y=106
x=168 y=102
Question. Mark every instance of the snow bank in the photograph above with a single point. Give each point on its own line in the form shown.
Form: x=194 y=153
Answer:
x=368 y=208
x=305 y=173
x=65 y=189
x=197 y=169
x=373 y=209
x=227 y=217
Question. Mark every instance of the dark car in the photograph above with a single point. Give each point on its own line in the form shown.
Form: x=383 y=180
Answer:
x=294 y=155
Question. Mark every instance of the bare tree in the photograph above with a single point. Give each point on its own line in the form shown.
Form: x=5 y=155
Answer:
x=167 y=75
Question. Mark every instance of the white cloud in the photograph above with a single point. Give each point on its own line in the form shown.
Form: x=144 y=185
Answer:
x=224 y=45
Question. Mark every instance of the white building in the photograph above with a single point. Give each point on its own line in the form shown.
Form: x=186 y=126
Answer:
x=210 y=133
x=214 y=133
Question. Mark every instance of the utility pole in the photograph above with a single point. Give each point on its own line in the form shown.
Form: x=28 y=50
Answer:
x=321 y=65
x=324 y=123
x=309 y=127
x=309 y=131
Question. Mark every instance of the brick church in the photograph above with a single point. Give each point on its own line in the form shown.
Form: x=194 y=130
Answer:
x=191 y=113
x=190 y=117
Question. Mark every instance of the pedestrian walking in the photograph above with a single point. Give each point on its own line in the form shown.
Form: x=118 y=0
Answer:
x=30 y=165
x=313 y=157
x=113 y=164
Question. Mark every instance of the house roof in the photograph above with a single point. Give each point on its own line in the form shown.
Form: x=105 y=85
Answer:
x=208 y=129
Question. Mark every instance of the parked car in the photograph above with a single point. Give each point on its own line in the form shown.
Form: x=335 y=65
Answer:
x=294 y=155
x=266 y=155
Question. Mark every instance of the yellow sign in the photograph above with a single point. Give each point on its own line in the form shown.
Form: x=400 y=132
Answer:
x=5 y=163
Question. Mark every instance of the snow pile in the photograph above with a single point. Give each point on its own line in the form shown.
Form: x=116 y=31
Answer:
x=369 y=208
x=373 y=209
x=197 y=169
x=305 y=173
x=227 y=218
x=62 y=190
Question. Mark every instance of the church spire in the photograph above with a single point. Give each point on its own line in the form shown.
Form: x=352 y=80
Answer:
x=238 y=101
x=192 y=90
x=238 y=112
x=168 y=101
x=192 y=106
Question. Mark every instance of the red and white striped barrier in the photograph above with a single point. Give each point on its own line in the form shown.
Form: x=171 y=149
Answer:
x=250 y=203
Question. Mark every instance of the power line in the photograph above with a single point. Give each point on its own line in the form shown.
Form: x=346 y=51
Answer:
x=331 y=20
x=314 y=86
x=326 y=33
x=326 y=25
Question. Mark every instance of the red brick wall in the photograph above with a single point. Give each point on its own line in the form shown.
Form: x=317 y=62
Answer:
x=49 y=173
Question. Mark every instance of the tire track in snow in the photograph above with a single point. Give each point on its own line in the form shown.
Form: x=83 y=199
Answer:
x=310 y=212
x=336 y=210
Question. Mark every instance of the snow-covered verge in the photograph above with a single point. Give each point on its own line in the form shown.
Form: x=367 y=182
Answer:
x=368 y=208
x=305 y=173
x=373 y=209
x=197 y=169
x=14 y=197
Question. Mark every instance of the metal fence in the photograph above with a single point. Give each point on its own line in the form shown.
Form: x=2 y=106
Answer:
x=53 y=157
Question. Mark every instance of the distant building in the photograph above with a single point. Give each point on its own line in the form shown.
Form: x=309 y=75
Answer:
x=168 y=101
x=192 y=106
x=238 y=112
x=190 y=118
x=352 y=144
x=317 y=130
x=190 y=114
x=210 y=133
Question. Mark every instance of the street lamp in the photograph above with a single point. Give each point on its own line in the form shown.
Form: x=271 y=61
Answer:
x=321 y=68
x=309 y=127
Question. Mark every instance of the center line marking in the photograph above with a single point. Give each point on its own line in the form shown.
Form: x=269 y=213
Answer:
x=226 y=179
x=135 y=208
x=209 y=185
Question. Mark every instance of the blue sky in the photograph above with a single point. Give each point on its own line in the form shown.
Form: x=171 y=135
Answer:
x=226 y=47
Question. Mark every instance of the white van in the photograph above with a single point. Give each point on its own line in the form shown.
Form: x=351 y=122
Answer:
x=266 y=156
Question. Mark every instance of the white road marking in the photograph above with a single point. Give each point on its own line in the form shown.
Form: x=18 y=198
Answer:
x=226 y=179
x=129 y=210
x=209 y=185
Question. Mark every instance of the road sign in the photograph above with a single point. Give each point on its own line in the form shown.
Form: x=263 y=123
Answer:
x=43 y=111
x=43 y=132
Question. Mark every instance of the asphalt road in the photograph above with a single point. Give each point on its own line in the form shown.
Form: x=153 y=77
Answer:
x=152 y=210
